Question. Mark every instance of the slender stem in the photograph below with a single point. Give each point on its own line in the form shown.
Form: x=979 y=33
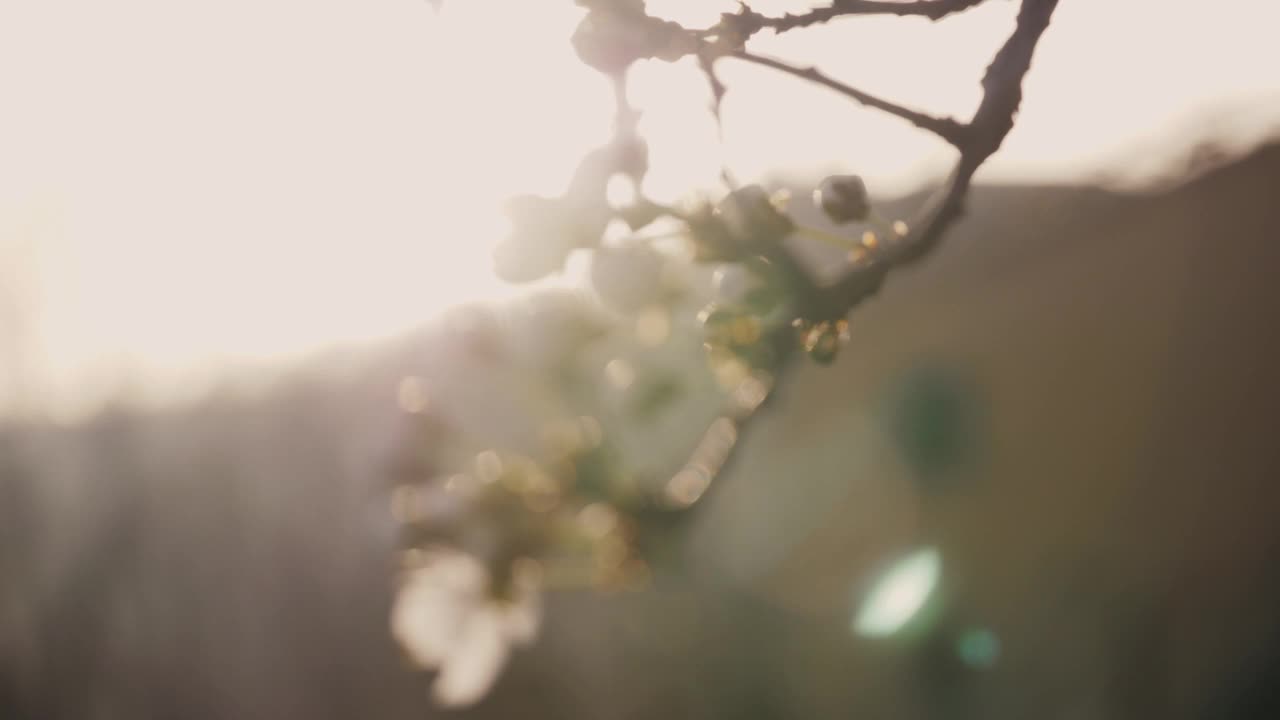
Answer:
x=748 y=22
x=932 y=9
x=945 y=128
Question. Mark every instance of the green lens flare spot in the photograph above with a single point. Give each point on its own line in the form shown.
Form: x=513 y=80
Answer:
x=978 y=648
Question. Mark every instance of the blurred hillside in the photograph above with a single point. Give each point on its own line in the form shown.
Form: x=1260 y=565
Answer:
x=1108 y=509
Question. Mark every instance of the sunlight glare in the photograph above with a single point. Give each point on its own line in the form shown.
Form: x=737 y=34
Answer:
x=218 y=208
x=339 y=177
x=899 y=595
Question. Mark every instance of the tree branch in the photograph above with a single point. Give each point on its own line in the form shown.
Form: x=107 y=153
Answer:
x=749 y=22
x=1002 y=85
x=945 y=128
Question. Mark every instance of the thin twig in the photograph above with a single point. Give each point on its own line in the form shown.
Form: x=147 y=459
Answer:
x=945 y=128
x=706 y=62
x=748 y=22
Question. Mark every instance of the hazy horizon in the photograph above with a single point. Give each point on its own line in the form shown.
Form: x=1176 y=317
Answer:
x=190 y=186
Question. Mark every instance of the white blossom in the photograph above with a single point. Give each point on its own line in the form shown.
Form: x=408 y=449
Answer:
x=447 y=618
x=627 y=277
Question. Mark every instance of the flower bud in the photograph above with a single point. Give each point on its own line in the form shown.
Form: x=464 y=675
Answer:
x=822 y=340
x=751 y=216
x=843 y=198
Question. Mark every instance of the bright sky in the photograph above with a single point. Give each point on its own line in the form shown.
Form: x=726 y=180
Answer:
x=185 y=184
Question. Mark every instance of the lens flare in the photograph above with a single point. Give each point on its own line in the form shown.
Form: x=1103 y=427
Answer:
x=899 y=595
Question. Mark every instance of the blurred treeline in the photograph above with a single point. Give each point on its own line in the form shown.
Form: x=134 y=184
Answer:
x=1074 y=400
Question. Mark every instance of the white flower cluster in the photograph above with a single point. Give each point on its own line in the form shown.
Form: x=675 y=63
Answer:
x=449 y=617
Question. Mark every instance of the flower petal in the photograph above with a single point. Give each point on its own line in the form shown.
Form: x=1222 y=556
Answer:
x=521 y=620
x=522 y=614
x=433 y=604
x=478 y=655
x=628 y=277
x=457 y=570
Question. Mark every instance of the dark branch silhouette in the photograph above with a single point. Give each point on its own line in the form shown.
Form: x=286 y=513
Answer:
x=749 y=22
x=976 y=141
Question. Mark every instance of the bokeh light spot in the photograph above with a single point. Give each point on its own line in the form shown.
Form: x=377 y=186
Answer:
x=687 y=486
x=620 y=373
x=411 y=395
